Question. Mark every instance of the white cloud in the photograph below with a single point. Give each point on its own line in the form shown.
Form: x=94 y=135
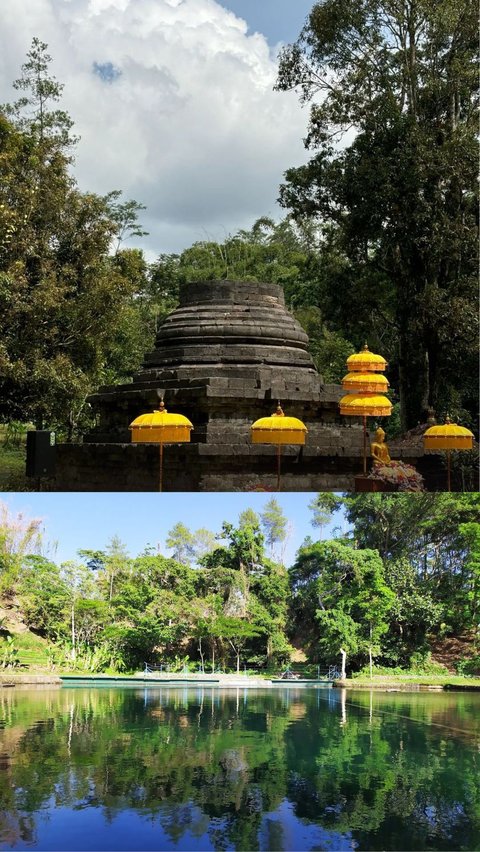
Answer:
x=190 y=126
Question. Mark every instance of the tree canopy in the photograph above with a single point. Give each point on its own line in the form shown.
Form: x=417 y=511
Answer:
x=393 y=95
x=402 y=576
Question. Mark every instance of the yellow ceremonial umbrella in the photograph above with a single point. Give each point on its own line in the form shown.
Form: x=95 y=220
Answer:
x=278 y=429
x=448 y=437
x=365 y=383
x=160 y=427
x=366 y=391
x=366 y=361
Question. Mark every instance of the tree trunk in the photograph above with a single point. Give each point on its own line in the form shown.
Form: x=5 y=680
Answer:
x=343 y=674
x=201 y=653
x=370 y=654
x=269 y=649
x=73 y=632
x=402 y=382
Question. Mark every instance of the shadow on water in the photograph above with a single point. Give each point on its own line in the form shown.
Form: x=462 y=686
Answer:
x=200 y=769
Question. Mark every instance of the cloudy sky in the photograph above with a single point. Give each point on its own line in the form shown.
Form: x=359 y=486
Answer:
x=174 y=103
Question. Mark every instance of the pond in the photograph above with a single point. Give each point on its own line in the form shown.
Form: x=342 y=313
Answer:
x=199 y=769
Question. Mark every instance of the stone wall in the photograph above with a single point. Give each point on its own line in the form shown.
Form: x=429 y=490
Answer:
x=202 y=467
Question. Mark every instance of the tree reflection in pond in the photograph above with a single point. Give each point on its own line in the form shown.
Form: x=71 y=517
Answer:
x=199 y=769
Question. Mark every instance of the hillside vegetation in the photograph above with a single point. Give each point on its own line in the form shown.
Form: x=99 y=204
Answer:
x=399 y=591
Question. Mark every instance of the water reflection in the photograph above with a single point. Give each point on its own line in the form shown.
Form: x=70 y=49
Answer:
x=181 y=768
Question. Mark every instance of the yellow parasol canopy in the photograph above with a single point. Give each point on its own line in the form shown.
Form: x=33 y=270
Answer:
x=160 y=427
x=278 y=429
x=365 y=382
x=365 y=405
x=448 y=436
x=366 y=361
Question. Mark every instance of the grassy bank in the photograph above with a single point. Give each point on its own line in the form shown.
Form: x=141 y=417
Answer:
x=412 y=681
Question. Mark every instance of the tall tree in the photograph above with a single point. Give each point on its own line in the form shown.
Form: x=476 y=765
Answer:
x=248 y=518
x=401 y=77
x=181 y=541
x=204 y=541
x=274 y=523
x=323 y=507
x=19 y=537
x=65 y=302
x=342 y=592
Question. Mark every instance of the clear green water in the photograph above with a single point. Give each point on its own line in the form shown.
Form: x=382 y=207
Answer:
x=283 y=769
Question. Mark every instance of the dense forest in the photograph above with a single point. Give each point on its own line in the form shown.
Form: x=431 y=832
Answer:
x=402 y=576
x=379 y=239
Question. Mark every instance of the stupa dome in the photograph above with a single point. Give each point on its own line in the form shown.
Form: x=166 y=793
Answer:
x=232 y=322
x=221 y=358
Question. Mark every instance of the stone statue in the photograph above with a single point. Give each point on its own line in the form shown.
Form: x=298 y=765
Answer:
x=379 y=449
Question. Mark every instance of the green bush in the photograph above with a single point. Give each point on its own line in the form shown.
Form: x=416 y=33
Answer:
x=469 y=666
x=422 y=663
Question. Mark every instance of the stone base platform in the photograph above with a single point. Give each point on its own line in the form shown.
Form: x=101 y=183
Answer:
x=215 y=467
x=200 y=467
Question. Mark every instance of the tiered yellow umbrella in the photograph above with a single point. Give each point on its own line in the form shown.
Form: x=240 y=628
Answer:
x=160 y=427
x=366 y=388
x=278 y=429
x=448 y=437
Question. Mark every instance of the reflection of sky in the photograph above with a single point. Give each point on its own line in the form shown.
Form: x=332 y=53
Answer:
x=87 y=829
x=288 y=832
x=308 y=730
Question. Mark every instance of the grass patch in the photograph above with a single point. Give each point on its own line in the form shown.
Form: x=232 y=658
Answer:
x=407 y=678
x=12 y=469
x=31 y=650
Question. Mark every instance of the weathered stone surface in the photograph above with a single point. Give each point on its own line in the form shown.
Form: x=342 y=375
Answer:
x=228 y=352
x=223 y=358
x=198 y=467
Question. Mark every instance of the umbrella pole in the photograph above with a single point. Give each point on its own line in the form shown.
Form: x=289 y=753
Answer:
x=279 y=450
x=161 y=467
x=364 y=444
x=449 y=473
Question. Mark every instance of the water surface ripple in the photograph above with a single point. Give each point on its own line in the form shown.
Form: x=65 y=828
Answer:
x=202 y=769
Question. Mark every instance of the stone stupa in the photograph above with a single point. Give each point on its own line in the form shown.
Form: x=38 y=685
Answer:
x=223 y=358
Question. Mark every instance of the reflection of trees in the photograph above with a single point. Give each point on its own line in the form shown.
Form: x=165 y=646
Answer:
x=384 y=772
x=208 y=762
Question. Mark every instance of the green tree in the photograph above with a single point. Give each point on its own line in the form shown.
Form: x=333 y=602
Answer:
x=471 y=536
x=44 y=597
x=204 y=542
x=237 y=632
x=400 y=197
x=33 y=110
x=182 y=542
x=323 y=507
x=248 y=518
x=80 y=587
x=348 y=598
x=19 y=536
x=274 y=523
x=65 y=302
x=428 y=545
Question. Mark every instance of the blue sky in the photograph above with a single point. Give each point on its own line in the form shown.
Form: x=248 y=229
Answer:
x=89 y=521
x=278 y=20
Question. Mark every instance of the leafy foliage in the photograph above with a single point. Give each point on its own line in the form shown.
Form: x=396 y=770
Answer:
x=397 y=202
x=66 y=303
x=390 y=589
